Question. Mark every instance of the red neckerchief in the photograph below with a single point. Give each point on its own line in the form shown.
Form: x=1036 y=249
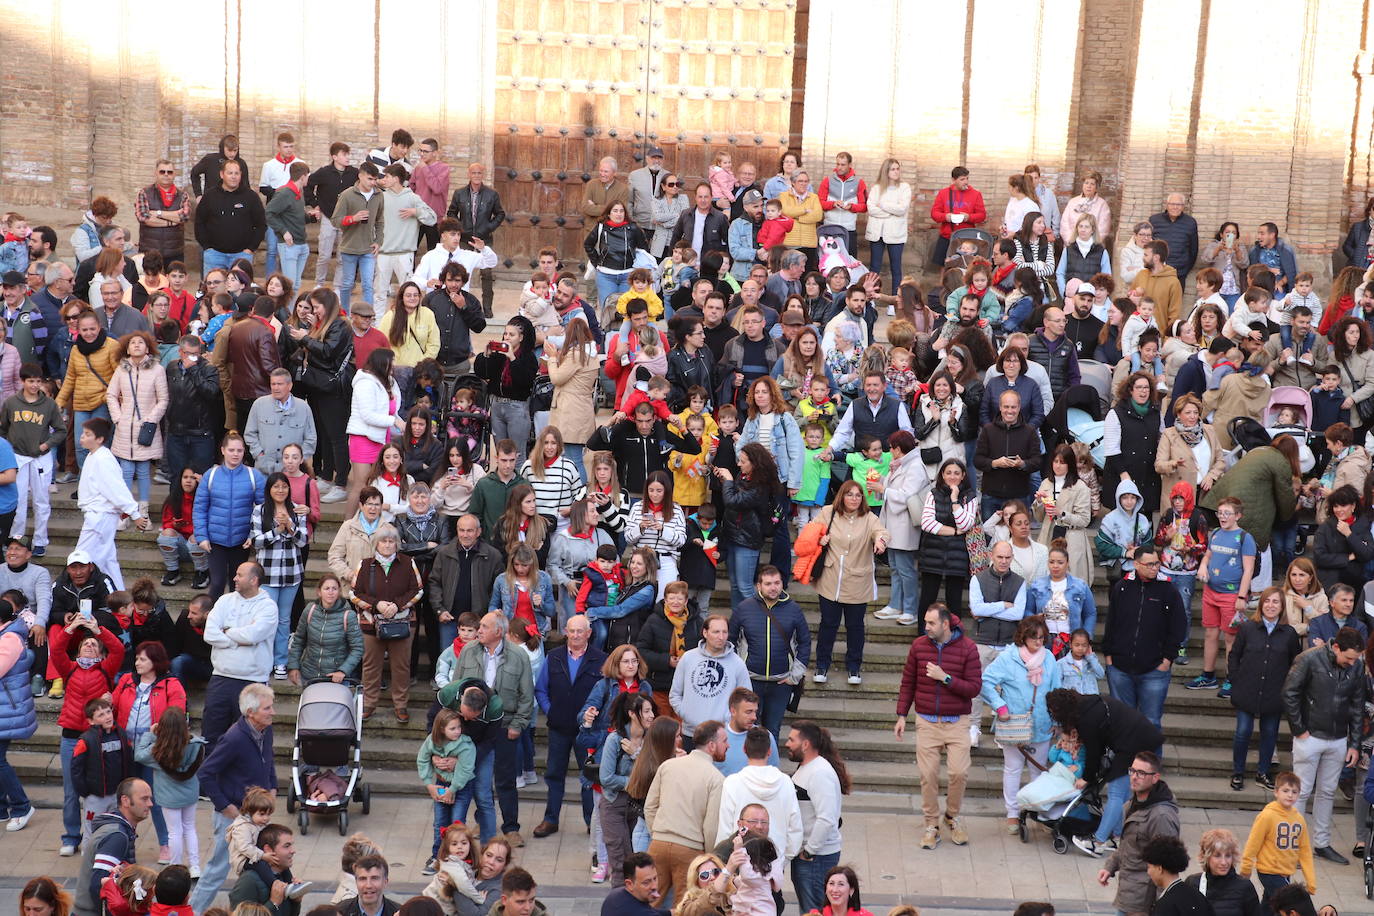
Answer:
x=267 y=322
x=170 y=909
x=458 y=645
x=392 y=477
x=586 y=535
x=291 y=186
x=524 y=524
x=414 y=441
x=1349 y=520
x=550 y=462
x=628 y=686
x=822 y=402
x=11 y=237
x=279 y=158
x=650 y=507
x=617 y=225
x=168 y=195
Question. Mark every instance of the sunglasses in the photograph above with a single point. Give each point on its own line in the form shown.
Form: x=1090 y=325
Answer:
x=672 y=184
x=707 y=874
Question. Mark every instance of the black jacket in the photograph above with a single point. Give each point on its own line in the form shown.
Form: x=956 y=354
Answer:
x=997 y=440
x=1146 y=623
x=230 y=221
x=423 y=459
x=614 y=247
x=1106 y=723
x=415 y=537
x=323 y=187
x=686 y=370
x=693 y=567
x=489 y=212
x=1182 y=899
x=192 y=395
x=1331 y=552
x=748 y=514
x=944 y=554
x=206 y=171
x=322 y=367
x=1257 y=665
x=189 y=640
x=1321 y=697
x=636 y=456
x=1230 y=894
x=655 y=643
x=714 y=235
x=456 y=325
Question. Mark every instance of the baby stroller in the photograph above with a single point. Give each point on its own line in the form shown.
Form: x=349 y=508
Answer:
x=1098 y=375
x=1300 y=402
x=1071 y=813
x=983 y=243
x=833 y=251
x=327 y=756
x=473 y=424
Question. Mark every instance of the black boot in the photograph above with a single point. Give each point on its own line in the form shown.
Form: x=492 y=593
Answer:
x=171 y=577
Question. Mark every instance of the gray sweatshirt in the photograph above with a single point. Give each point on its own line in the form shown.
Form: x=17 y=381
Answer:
x=702 y=684
x=36 y=584
x=400 y=236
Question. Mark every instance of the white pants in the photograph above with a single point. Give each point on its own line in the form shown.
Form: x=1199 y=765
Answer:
x=181 y=835
x=1012 y=765
x=329 y=240
x=1264 y=575
x=667 y=571
x=985 y=656
x=34 y=476
x=1318 y=762
x=388 y=265
x=98 y=540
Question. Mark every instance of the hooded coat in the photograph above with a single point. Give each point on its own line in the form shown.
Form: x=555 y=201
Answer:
x=1122 y=529
x=770 y=787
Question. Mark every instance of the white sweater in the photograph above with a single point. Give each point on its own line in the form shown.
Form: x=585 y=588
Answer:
x=245 y=651
x=821 y=811
x=371 y=414
x=102 y=487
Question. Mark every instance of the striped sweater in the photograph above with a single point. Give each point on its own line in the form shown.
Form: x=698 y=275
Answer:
x=558 y=488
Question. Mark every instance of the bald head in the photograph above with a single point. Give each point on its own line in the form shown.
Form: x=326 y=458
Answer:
x=578 y=631
x=1001 y=557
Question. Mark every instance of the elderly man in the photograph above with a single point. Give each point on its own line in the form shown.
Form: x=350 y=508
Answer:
x=114 y=316
x=645 y=183
x=276 y=420
x=111 y=843
x=242 y=759
x=746 y=180
x=59 y=280
x=162 y=210
x=28 y=331
x=1179 y=231
x=997 y=602
x=566 y=679
x=787 y=281
x=237 y=631
x=464 y=569
x=704 y=227
x=114 y=238
x=744 y=233
x=602 y=190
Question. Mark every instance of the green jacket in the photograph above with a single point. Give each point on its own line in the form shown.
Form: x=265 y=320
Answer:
x=514 y=679
x=1263 y=481
x=488 y=502
x=359 y=237
x=325 y=641
x=250 y=889
x=286 y=213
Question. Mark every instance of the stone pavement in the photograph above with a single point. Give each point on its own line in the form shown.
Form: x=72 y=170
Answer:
x=881 y=831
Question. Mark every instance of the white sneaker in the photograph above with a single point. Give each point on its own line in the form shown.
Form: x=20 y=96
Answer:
x=1305 y=359
x=336 y=495
x=1292 y=360
x=531 y=778
x=195 y=871
x=820 y=677
x=19 y=823
x=888 y=613
x=855 y=680
x=279 y=673
x=907 y=620
x=520 y=781
x=975 y=734
x=70 y=850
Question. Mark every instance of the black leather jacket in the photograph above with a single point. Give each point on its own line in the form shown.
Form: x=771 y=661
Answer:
x=1321 y=697
x=191 y=396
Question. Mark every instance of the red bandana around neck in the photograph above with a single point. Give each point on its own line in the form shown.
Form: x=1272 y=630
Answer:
x=392 y=477
x=168 y=195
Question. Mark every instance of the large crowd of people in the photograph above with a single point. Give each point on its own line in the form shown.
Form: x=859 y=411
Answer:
x=535 y=521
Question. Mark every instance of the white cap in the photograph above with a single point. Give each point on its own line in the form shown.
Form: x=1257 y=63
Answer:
x=1085 y=289
x=78 y=556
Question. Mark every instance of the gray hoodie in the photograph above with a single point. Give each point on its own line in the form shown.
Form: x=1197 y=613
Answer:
x=36 y=584
x=702 y=684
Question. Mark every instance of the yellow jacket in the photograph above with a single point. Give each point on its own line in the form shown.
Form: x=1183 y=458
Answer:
x=84 y=389
x=650 y=298
x=421 y=340
x=1278 y=844
x=691 y=479
x=806 y=215
x=711 y=429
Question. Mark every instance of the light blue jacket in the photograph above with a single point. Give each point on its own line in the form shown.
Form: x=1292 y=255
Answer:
x=170 y=792
x=1122 y=528
x=742 y=251
x=788 y=449
x=1082 y=610
x=503 y=598
x=1006 y=683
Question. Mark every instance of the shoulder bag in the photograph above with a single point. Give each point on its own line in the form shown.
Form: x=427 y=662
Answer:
x=388 y=628
x=1365 y=408
x=1016 y=729
x=147 y=432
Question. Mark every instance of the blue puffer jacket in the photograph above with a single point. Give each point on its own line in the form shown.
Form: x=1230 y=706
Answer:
x=223 y=513
x=1006 y=683
x=18 y=720
x=1082 y=609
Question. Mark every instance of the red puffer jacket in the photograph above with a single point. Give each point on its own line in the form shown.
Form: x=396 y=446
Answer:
x=167 y=691
x=958 y=658
x=84 y=684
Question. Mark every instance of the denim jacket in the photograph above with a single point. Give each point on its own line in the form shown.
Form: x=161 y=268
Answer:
x=1082 y=609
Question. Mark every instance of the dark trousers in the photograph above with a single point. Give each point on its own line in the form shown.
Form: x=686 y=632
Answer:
x=241 y=408
x=221 y=707
x=773 y=700
x=188 y=450
x=560 y=744
x=331 y=454
x=429 y=240
x=504 y=780
x=224 y=563
x=853 y=614
x=954 y=592
x=488 y=290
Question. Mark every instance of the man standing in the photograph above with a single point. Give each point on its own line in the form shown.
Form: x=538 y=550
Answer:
x=114 y=316
x=372 y=874
x=855 y=306
x=253 y=354
x=602 y=191
x=763 y=783
x=1146 y=623
x=744 y=234
x=240 y=760
x=462 y=575
x=1006 y=455
x=111 y=843
x=1323 y=698
x=566 y=679
x=644 y=187
x=275 y=173
x=28 y=331
x=431 y=267
x=704 y=227
x=875 y=415
x=490 y=494
x=430 y=179
x=719 y=332
x=456 y=311
x=403 y=212
x=744 y=715
x=746 y=357
x=395 y=154
x=997 y=601
x=1150 y=812
x=704 y=679
x=286 y=223
x=230 y=219
x=640 y=893
x=162 y=210
x=1083 y=327
x=276 y=420
x=193 y=395
x=505 y=668
x=779 y=641
x=682 y=809
x=1277 y=255
x=941 y=677
x=278 y=846
x=1161 y=282
x=956 y=206
x=1178 y=230
x=322 y=190
x=821 y=780
x=843 y=196
x=358 y=217
x=1055 y=353
x=32 y=423
x=237 y=631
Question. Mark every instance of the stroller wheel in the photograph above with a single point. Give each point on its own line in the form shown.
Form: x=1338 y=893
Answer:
x=1061 y=844
x=343 y=823
x=367 y=798
x=304 y=820
x=291 y=798
x=1368 y=881
x=1023 y=831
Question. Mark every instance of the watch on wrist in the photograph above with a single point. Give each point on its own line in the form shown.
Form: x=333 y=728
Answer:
x=947 y=680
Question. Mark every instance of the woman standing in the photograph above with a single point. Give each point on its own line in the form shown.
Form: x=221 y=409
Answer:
x=1351 y=341
x=322 y=361
x=555 y=479
x=1084 y=256
x=386 y=587
x=889 y=206
x=1132 y=259
x=943 y=423
x=906 y=477
x=669 y=204
x=1130 y=440
x=1016 y=683
x=631 y=716
x=411 y=332
x=421 y=450
x=845 y=582
x=624 y=671
x=611 y=247
x=278 y=531
x=749 y=506
x=663 y=743
x=1263 y=651
x=521 y=523
x=328 y=642
x=603 y=491
x=374 y=416
x=223 y=514
x=1227 y=892
x=137 y=399
x=573 y=369
x=1227 y=256
x=788 y=163
x=573 y=550
x=671 y=630
x=90 y=367
x=690 y=363
x=1029 y=558
x=140 y=698
x=801 y=205
x=508 y=367
x=1011 y=364
x=1189 y=449
x=388 y=475
x=1063 y=601
x=799 y=364
x=949 y=512
x=1021 y=202
x=771 y=425
x=1089 y=204
x=1064 y=504
x=524 y=593
x=658 y=524
x=18 y=720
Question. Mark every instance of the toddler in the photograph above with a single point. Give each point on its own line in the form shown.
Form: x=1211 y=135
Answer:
x=1327 y=399
x=647 y=389
x=900 y=377
x=1087 y=472
x=445 y=763
x=701 y=553
x=678 y=269
x=818 y=406
x=759 y=877
x=869 y=465
x=221 y=307
x=963 y=256
x=815 y=473
x=602 y=580
x=775 y=226
x=691 y=475
x=466 y=419
x=1143 y=317
x=1069 y=751
x=1079 y=668
x=1251 y=308
x=1281 y=310
x=536 y=305
x=698 y=403
x=640 y=282
x=14 y=251
x=721 y=176
x=254 y=814
x=455 y=869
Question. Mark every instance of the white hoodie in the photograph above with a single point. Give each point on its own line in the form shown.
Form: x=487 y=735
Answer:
x=102 y=487
x=768 y=786
x=245 y=652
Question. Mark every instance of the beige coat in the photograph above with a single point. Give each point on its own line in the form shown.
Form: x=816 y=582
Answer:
x=1172 y=448
x=887 y=214
x=574 y=400
x=148 y=382
x=1350 y=471
x=1300 y=609
x=1240 y=395
x=350 y=547
x=847 y=576
x=1075 y=512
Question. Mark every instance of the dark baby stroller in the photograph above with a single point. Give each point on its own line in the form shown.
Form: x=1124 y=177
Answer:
x=327 y=757
x=473 y=425
x=1071 y=814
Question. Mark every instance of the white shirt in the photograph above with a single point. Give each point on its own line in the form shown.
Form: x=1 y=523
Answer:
x=275 y=173
x=698 y=229
x=434 y=260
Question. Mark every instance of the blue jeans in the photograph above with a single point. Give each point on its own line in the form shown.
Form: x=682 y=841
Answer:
x=448 y=632
x=905 y=590
x=284 y=598
x=222 y=260
x=187 y=668
x=353 y=265
x=140 y=470
x=292 y=260
x=1283 y=545
x=1146 y=692
x=14 y=802
x=808 y=879
x=1269 y=740
x=894 y=257
x=480 y=790
x=574 y=452
x=193 y=451
x=773 y=700
x=1118 y=790
x=216 y=869
x=1270 y=884
x=853 y=614
x=990 y=504
x=560 y=744
x=743 y=561
x=272 y=244
x=611 y=284
x=81 y=417
x=71 y=802
x=443 y=816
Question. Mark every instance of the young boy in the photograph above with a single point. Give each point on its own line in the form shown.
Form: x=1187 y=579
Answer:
x=1123 y=530
x=103 y=496
x=818 y=406
x=1281 y=311
x=691 y=475
x=1182 y=539
x=183 y=301
x=1279 y=843
x=602 y=580
x=900 y=376
x=653 y=392
x=698 y=403
x=222 y=308
x=700 y=557
x=815 y=473
x=32 y=423
x=1143 y=317
x=1225 y=574
x=14 y=251
x=775 y=226
x=536 y=305
x=1252 y=308
x=640 y=280
x=727 y=419
x=1327 y=399
x=172 y=892
x=678 y=269
x=868 y=465
x=103 y=757
x=285 y=213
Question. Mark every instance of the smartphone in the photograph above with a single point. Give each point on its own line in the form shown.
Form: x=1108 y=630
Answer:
x=452 y=472
x=498 y=346
x=84 y=609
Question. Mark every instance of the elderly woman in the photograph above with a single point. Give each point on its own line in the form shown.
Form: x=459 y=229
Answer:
x=1227 y=892
x=1263 y=651
x=386 y=587
x=1188 y=450
x=353 y=541
x=906 y=477
x=1130 y=441
x=673 y=629
x=1226 y=254
x=1015 y=684
x=328 y=641
x=1132 y=260
x=801 y=205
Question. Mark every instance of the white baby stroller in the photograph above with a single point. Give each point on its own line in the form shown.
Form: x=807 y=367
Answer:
x=327 y=757
x=833 y=251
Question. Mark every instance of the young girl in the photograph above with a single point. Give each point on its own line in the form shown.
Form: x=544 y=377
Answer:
x=175 y=541
x=175 y=756
x=524 y=593
x=455 y=870
x=388 y=475
x=529 y=639
x=721 y=175
x=1064 y=504
x=278 y=533
x=603 y=491
x=454 y=483
x=1302 y=595
x=254 y=814
x=1079 y=668
x=758 y=873
x=466 y=419
x=128 y=891
x=421 y=452
x=445 y=765
x=1087 y=472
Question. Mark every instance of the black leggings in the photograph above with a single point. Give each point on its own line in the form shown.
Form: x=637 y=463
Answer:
x=930 y=593
x=331 y=454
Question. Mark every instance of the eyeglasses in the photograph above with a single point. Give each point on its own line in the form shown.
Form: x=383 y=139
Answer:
x=1148 y=564
x=707 y=874
x=70 y=318
x=1141 y=773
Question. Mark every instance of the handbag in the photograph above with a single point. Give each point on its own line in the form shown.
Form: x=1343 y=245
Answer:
x=931 y=454
x=979 y=554
x=147 y=432
x=541 y=393
x=1364 y=408
x=390 y=628
x=1016 y=729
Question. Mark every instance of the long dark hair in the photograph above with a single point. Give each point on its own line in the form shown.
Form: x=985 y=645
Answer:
x=660 y=744
x=173 y=734
x=400 y=318
x=176 y=496
x=1062 y=705
x=269 y=505
x=666 y=479
x=824 y=746
x=765 y=472
x=379 y=363
x=1064 y=452
x=624 y=707
x=940 y=477
x=464 y=456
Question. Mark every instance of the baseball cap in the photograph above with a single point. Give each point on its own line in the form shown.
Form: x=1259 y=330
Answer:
x=654 y=151
x=365 y=309
x=1085 y=289
x=78 y=556
x=22 y=541
x=753 y=196
x=12 y=278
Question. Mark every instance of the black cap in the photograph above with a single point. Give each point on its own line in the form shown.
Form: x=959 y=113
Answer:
x=654 y=151
x=25 y=542
x=12 y=278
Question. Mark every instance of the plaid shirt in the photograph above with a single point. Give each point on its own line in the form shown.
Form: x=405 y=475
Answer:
x=280 y=554
x=143 y=206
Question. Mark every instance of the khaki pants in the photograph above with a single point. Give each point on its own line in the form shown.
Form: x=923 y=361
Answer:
x=374 y=650
x=671 y=861
x=952 y=739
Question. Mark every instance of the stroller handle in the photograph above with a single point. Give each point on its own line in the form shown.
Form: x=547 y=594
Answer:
x=348 y=681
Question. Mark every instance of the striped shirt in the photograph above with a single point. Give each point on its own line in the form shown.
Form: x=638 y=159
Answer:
x=557 y=489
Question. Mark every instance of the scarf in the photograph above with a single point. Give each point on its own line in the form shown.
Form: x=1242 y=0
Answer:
x=614 y=225
x=168 y=195
x=92 y=348
x=679 y=622
x=1035 y=664
x=283 y=160
x=291 y=186
x=550 y=462
x=1191 y=435
x=86 y=664
x=369 y=528
x=384 y=562
x=392 y=477
x=1140 y=409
